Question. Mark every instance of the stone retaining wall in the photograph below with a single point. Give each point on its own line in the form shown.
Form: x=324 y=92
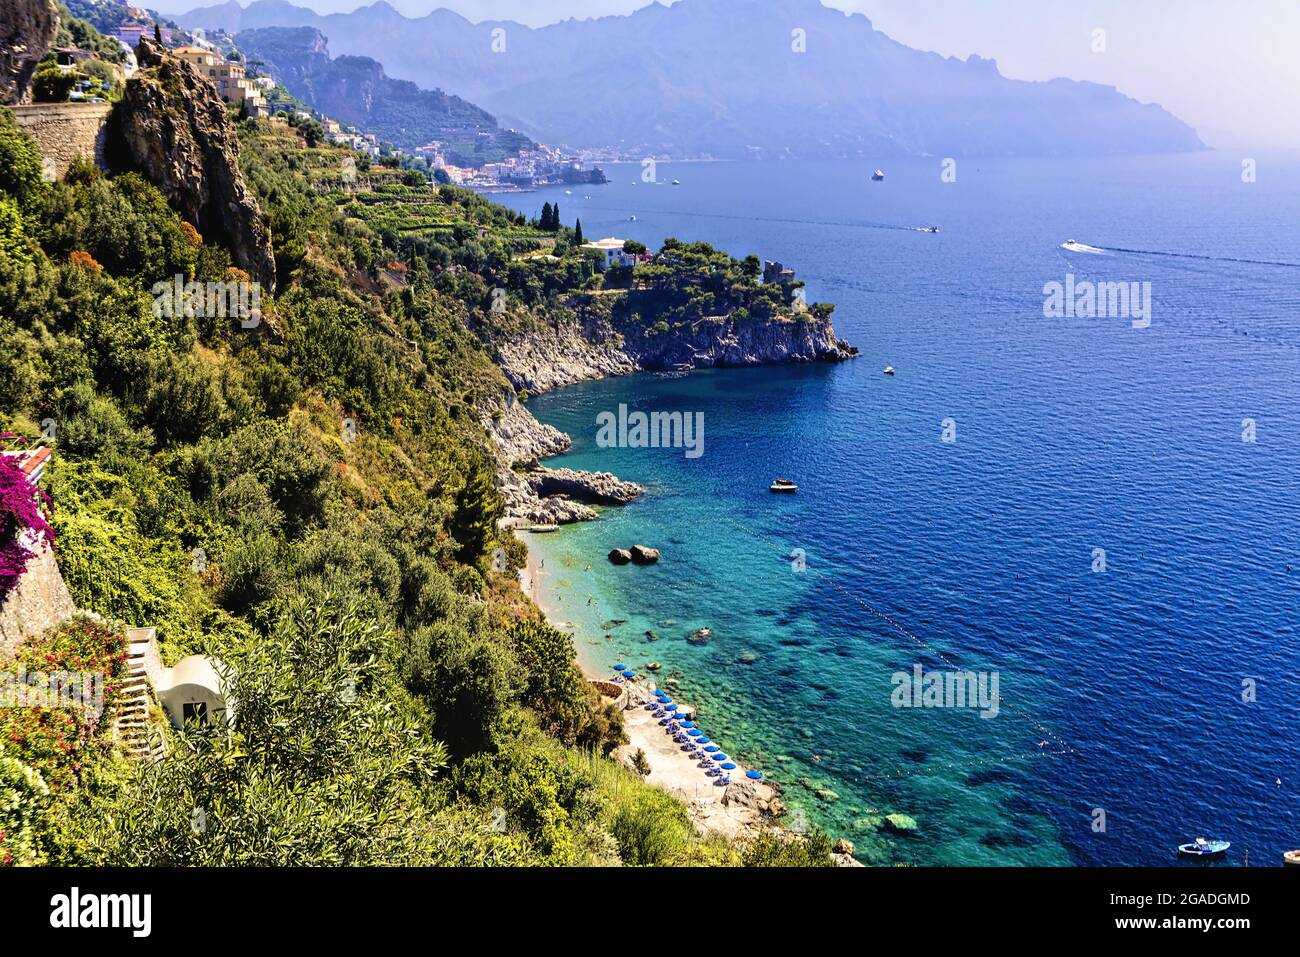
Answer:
x=65 y=131
x=39 y=601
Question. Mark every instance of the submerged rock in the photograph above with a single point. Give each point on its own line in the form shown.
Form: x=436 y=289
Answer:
x=899 y=823
x=747 y=658
x=700 y=636
x=651 y=636
x=620 y=556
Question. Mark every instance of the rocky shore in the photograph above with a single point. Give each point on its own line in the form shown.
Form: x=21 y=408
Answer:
x=549 y=357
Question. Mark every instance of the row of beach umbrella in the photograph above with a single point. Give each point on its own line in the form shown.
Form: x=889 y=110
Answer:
x=687 y=731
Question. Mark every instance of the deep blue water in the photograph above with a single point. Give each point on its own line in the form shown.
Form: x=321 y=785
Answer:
x=1122 y=690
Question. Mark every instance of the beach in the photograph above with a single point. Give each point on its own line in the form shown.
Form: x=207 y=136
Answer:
x=730 y=811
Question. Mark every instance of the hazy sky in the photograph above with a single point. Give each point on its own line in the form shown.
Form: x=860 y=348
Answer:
x=1231 y=68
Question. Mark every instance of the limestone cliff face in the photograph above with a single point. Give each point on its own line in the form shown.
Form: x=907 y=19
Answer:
x=174 y=128
x=27 y=28
x=548 y=358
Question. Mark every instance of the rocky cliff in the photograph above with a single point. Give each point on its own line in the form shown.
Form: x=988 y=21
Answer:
x=545 y=357
x=27 y=28
x=548 y=357
x=173 y=127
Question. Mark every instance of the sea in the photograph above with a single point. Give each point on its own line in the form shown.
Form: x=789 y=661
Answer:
x=1089 y=514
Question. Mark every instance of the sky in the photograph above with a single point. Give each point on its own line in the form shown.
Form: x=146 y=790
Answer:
x=1230 y=68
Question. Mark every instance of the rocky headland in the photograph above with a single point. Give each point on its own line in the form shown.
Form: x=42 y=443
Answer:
x=544 y=357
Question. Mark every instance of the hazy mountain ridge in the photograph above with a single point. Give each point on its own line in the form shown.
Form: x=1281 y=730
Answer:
x=723 y=77
x=356 y=90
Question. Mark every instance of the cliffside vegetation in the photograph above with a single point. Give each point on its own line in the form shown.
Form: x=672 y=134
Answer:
x=310 y=500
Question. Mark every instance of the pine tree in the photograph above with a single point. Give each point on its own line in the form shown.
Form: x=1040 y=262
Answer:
x=555 y=218
x=545 y=221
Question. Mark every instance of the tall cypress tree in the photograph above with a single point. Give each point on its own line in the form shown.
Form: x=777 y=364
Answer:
x=577 y=233
x=545 y=221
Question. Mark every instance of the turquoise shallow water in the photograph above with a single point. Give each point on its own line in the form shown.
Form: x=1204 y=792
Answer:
x=1123 y=689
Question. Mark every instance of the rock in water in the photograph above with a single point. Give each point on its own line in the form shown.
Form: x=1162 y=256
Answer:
x=899 y=823
x=174 y=128
x=620 y=556
x=843 y=846
x=27 y=28
x=644 y=555
x=601 y=487
x=700 y=636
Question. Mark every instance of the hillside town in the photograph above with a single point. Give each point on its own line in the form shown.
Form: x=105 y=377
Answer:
x=248 y=86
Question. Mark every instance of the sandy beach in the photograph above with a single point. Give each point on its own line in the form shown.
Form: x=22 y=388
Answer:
x=732 y=811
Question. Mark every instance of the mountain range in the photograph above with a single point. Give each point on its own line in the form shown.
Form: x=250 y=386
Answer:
x=733 y=78
x=356 y=90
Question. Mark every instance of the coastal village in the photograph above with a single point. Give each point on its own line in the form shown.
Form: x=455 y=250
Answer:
x=255 y=93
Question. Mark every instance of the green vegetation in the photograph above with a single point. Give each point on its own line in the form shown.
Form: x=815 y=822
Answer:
x=311 y=503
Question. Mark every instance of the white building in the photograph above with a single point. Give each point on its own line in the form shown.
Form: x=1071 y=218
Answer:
x=611 y=251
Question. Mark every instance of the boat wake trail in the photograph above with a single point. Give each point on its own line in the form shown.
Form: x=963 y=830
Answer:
x=1073 y=246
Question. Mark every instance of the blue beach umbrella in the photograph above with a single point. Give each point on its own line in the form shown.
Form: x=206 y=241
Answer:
x=701 y=740
x=756 y=775
x=670 y=707
x=620 y=666
x=727 y=766
x=688 y=724
x=629 y=673
x=713 y=747
x=719 y=757
x=695 y=733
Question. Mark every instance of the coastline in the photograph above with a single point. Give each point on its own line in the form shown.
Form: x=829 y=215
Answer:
x=735 y=812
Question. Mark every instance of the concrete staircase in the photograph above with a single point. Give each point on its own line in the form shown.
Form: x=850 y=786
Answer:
x=131 y=725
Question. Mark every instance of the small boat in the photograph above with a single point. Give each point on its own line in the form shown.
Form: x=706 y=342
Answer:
x=930 y=229
x=1291 y=859
x=1204 y=848
x=631 y=219
x=677 y=182
x=782 y=485
x=877 y=176
x=889 y=370
x=544 y=528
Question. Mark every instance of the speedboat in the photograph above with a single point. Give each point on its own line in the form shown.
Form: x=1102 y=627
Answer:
x=782 y=485
x=631 y=219
x=931 y=229
x=677 y=182
x=1204 y=848
x=1291 y=859
x=878 y=175
x=889 y=370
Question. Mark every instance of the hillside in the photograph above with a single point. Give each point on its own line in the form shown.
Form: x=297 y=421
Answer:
x=335 y=458
x=356 y=90
x=727 y=78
